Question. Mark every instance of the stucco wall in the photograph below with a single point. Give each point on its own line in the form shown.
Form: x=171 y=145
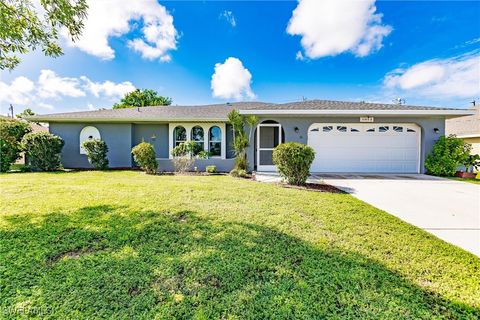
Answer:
x=223 y=165
x=146 y=131
x=428 y=135
x=475 y=142
x=117 y=136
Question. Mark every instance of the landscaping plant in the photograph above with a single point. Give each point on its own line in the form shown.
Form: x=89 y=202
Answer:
x=293 y=161
x=211 y=169
x=96 y=150
x=11 y=134
x=42 y=150
x=447 y=155
x=238 y=173
x=145 y=156
x=472 y=162
x=184 y=155
x=240 y=139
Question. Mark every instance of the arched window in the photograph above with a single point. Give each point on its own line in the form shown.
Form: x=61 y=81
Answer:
x=215 y=141
x=86 y=134
x=197 y=136
x=179 y=135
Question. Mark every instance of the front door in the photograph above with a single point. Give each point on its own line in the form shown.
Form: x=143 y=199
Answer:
x=269 y=135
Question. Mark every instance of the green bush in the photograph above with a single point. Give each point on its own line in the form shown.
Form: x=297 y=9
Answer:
x=293 y=161
x=145 y=156
x=447 y=155
x=42 y=150
x=211 y=169
x=239 y=173
x=11 y=134
x=96 y=151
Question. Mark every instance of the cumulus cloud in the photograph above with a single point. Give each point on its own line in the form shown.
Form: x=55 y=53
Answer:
x=229 y=17
x=455 y=77
x=51 y=87
x=114 y=18
x=331 y=27
x=108 y=88
x=231 y=80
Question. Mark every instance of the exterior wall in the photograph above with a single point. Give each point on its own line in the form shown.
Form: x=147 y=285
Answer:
x=428 y=136
x=475 y=142
x=223 y=165
x=145 y=132
x=117 y=136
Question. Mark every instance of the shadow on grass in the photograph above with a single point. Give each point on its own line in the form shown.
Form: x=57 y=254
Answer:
x=111 y=262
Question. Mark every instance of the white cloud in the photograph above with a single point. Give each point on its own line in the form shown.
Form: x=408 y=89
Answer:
x=229 y=17
x=108 y=88
x=50 y=85
x=231 y=80
x=114 y=18
x=331 y=27
x=456 y=77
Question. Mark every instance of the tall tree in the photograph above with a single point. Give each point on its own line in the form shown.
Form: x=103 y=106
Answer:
x=24 y=28
x=142 y=98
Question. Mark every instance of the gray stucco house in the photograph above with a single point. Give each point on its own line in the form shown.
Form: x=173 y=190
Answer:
x=346 y=136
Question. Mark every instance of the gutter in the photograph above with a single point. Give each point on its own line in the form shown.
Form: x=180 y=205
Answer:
x=121 y=120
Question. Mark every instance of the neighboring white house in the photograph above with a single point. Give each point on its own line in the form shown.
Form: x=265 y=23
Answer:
x=467 y=128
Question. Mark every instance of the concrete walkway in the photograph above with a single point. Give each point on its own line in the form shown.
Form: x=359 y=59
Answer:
x=446 y=208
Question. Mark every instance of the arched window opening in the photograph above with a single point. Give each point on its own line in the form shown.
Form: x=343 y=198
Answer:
x=198 y=136
x=88 y=133
x=215 y=141
x=179 y=135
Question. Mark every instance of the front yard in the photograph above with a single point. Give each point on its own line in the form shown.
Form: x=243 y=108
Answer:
x=127 y=245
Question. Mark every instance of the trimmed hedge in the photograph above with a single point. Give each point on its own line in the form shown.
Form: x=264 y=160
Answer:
x=42 y=150
x=145 y=156
x=11 y=134
x=96 y=150
x=293 y=161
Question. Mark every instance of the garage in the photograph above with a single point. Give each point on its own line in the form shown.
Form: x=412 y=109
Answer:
x=365 y=147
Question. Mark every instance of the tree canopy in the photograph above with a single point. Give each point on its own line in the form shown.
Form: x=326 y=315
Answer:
x=142 y=98
x=24 y=28
x=25 y=113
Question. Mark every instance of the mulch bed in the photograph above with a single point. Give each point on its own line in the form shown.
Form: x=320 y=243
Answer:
x=317 y=187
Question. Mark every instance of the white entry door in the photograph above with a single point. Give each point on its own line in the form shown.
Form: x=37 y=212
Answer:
x=365 y=148
x=269 y=135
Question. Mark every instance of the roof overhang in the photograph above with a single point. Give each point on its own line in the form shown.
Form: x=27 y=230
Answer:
x=290 y=112
x=121 y=120
x=466 y=136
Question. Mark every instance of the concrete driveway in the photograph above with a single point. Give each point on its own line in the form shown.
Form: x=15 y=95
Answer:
x=446 y=208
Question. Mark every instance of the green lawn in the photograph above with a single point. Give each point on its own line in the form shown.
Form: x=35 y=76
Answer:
x=126 y=245
x=475 y=180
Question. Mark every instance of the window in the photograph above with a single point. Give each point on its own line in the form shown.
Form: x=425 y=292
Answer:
x=371 y=130
x=327 y=128
x=410 y=130
x=86 y=134
x=179 y=135
x=197 y=136
x=314 y=130
x=215 y=141
x=397 y=129
x=354 y=130
x=383 y=129
x=342 y=128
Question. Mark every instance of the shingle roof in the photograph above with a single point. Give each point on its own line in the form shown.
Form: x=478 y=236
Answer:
x=219 y=112
x=465 y=126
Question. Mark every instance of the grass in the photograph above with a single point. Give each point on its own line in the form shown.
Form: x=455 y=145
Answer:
x=126 y=245
x=474 y=180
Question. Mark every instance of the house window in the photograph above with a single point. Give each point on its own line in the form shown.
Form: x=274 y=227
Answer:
x=88 y=133
x=383 y=129
x=197 y=136
x=371 y=130
x=179 y=135
x=327 y=128
x=342 y=128
x=410 y=130
x=215 y=141
x=397 y=129
x=354 y=130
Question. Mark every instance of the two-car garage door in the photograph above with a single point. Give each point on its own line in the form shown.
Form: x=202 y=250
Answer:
x=365 y=147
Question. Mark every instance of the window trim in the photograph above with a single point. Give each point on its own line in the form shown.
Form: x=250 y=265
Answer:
x=175 y=135
x=215 y=141
x=95 y=135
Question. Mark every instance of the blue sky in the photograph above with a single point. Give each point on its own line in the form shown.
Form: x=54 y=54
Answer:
x=212 y=52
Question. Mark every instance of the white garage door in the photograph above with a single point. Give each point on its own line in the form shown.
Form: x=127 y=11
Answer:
x=381 y=148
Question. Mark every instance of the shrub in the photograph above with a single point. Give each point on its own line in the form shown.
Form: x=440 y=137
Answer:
x=11 y=134
x=448 y=153
x=293 y=161
x=96 y=153
x=145 y=156
x=238 y=173
x=211 y=169
x=42 y=150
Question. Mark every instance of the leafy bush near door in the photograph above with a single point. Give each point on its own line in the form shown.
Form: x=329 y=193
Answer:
x=11 y=134
x=42 y=150
x=293 y=161
x=96 y=151
x=145 y=156
x=447 y=155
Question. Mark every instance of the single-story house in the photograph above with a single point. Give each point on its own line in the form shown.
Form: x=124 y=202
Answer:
x=346 y=136
x=467 y=128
